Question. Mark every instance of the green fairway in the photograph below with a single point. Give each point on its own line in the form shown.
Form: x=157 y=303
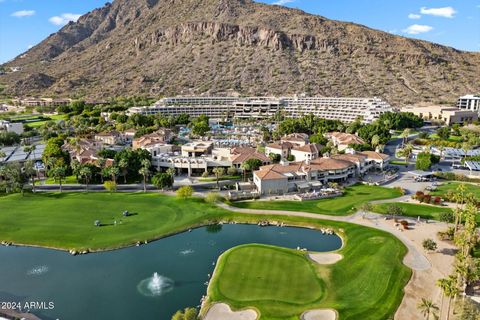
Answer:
x=414 y=210
x=36 y=124
x=366 y=284
x=353 y=197
x=447 y=186
x=67 y=220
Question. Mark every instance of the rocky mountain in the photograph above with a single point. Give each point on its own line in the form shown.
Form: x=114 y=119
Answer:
x=169 y=47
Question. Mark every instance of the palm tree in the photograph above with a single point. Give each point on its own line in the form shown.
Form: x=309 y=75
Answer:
x=427 y=307
x=404 y=135
x=145 y=171
x=449 y=290
x=123 y=165
x=375 y=141
x=76 y=166
x=245 y=167
x=459 y=197
x=407 y=152
x=114 y=172
x=29 y=170
x=86 y=173
x=218 y=171
x=58 y=172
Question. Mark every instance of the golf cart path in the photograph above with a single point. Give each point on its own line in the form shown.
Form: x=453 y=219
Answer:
x=414 y=259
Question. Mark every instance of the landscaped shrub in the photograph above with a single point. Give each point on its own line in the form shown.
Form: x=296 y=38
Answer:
x=447 y=234
x=446 y=216
x=427 y=198
x=437 y=200
x=419 y=195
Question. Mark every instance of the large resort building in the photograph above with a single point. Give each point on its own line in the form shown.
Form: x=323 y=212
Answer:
x=300 y=176
x=343 y=109
x=469 y=102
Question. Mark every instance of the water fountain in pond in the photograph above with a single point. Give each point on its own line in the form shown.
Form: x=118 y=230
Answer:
x=155 y=285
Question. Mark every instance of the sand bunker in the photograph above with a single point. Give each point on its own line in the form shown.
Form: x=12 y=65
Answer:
x=325 y=258
x=222 y=311
x=319 y=314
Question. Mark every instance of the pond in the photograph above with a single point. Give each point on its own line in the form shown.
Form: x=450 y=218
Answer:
x=147 y=282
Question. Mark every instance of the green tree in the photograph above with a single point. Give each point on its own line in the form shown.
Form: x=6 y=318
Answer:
x=406 y=152
x=123 y=166
x=218 y=172
x=429 y=245
x=250 y=165
x=404 y=135
x=184 y=192
x=443 y=133
x=30 y=171
x=395 y=210
x=110 y=186
x=232 y=171
x=58 y=173
x=86 y=173
x=162 y=180
x=145 y=172
x=424 y=161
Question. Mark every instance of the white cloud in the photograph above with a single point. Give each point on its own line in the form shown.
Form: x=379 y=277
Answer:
x=64 y=18
x=446 y=12
x=23 y=13
x=283 y=2
x=414 y=16
x=417 y=29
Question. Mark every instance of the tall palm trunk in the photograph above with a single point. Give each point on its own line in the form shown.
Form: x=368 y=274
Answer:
x=144 y=183
x=60 y=182
x=33 y=183
x=448 y=308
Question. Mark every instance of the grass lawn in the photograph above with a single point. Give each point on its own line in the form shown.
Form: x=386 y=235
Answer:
x=67 y=180
x=399 y=163
x=414 y=210
x=446 y=186
x=450 y=139
x=344 y=205
x=213 y=179
x=54 y=117
x=367 y=284
x=282 y=283
x=66 y=220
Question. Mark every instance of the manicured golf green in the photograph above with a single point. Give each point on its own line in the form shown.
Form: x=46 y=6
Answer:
x=344 y=205
x=67 y=220
x=54 y=118
x=453 y=186
x=366 y=284
x=414 y=210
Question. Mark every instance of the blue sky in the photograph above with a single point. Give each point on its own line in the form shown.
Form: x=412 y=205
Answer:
x=24 y=23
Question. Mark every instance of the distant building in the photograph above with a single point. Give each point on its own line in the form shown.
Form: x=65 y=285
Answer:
x=343 y=140
x=197 y=149
x=161 y=135
x=8 y=126
x=344 y=109
x=306 y=152
x=469 y=102
x=447 y=115
x=298 y=139
x=110 y=138
x=41 y=102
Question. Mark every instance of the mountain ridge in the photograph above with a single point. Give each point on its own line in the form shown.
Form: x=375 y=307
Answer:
x=168 y=47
